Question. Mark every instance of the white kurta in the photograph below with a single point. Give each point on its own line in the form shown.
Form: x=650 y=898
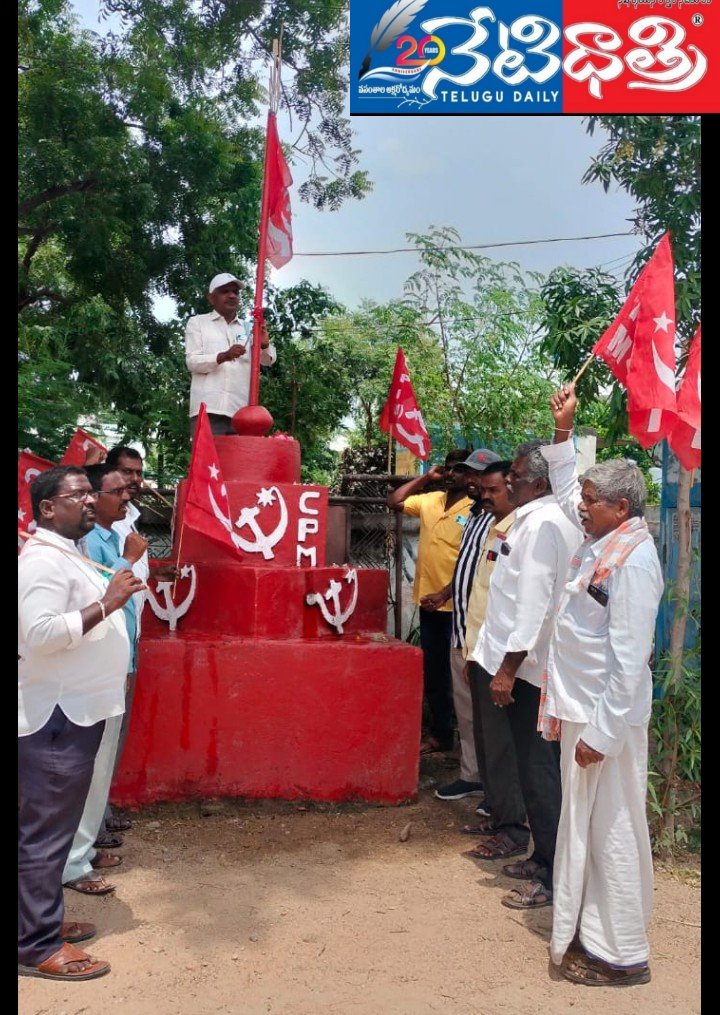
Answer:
x=223 y=387
x=600 y=686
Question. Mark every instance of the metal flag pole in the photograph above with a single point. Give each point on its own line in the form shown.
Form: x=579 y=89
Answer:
x=274 y=95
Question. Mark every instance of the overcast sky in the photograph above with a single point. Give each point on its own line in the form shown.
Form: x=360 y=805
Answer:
x=495 y=179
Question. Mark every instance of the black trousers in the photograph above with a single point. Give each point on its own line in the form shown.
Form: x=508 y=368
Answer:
x=55 y=766
x=493 y=736
x=221 y=426
x=435 y=638
x=538 y=769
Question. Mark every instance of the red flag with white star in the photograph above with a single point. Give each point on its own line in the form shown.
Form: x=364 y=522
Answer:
x=639 y=348
x=207 y=509
x=29 y=466
x=78 y=448
x=685 y=437
x=401 y=416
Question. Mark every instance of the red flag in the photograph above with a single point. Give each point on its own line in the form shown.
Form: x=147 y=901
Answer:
x=207 y=508
x=29 y=466
x=401 y=416
x=685 y=437
x=277 y=180
x=78 y=447
x=639 y=348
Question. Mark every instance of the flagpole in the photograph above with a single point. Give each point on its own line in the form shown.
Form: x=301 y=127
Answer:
x=389 y=454
x=583 y=368
x=94 y=563
x=177 y=565
x=274 y=89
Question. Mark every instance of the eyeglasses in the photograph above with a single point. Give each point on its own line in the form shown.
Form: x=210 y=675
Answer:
x=78 y=497
x=117 y=491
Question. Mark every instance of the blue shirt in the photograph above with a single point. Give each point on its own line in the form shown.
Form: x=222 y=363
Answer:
x=103 y=546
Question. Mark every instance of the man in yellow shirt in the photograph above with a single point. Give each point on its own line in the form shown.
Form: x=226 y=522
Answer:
x=442 y=514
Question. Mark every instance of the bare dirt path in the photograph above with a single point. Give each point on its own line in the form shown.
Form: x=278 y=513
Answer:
x=306 y=909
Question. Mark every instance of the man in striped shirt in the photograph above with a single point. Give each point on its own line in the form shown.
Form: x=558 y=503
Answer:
x=473 y=537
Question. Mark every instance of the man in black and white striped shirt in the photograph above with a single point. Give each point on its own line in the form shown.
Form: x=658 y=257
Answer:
x=474 y=532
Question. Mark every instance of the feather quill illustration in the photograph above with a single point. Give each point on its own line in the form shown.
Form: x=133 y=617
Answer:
x=394 y=21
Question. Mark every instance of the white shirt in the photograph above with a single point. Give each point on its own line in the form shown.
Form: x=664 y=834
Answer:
x=224 y=387
x=59 y=665
x=525 y=589
x=141 y=568
x=598 y=669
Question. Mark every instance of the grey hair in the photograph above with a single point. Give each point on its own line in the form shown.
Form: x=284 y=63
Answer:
x=537 y=466
x=616 y=479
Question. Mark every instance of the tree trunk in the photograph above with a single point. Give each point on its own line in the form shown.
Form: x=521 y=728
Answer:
x=681 y=598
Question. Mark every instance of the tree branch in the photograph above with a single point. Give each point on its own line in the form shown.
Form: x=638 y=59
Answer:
x=34 y=243
x=52 y=193
x=41 y=294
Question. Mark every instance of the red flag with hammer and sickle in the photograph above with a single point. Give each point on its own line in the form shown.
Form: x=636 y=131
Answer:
x=401 y=416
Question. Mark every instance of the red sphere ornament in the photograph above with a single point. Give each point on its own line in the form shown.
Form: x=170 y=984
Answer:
x=252 y=421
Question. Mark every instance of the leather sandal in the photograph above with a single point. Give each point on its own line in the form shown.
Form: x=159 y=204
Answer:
x=118 y=824
x=531 y=896
x=108 y=840
x=523 y=870
x=103 y=860
x=485 y=826
x=73 y=933
x=90 y=884
x=57 y=967
x=596 y=973
x=498 y=847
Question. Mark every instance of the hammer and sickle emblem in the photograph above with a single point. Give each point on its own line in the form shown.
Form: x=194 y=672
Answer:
x=338 y=616
x=172 y=612
x=262 y=542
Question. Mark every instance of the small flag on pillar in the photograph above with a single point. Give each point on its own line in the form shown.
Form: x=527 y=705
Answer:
x=685 y=437
x=78 y=448
x=207 y=508
x=279 y=218
x=29 y=466
x=401 y=416
x=639 y=348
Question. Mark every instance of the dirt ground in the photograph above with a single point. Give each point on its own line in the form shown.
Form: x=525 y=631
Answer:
x=319 y=909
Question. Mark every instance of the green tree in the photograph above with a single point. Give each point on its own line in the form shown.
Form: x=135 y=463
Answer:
x=140 y=174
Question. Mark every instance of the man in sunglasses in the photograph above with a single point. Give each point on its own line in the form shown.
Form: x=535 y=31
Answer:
x=73 y=654
x=83 y=870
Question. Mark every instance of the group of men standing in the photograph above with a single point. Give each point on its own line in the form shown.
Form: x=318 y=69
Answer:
x=81 y=587
x=537 y=595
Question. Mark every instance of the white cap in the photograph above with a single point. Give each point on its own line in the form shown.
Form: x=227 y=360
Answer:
x=224 y=278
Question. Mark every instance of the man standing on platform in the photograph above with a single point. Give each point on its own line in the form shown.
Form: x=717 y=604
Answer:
x=218 y=348
x=443 y=515
x=73 y=654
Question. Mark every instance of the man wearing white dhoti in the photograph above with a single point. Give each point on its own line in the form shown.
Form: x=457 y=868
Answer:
x=598 y=694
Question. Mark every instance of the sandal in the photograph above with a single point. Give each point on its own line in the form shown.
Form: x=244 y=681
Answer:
x=429 y=746
x=118 y=824
x=76 y=932
x=596 y=973
x=103 y=860
x=108 y=840
x=90 y=884
x=532 y=896
x=486 y=826
x=523 y=870
x=497 y=847
x=58 y=966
